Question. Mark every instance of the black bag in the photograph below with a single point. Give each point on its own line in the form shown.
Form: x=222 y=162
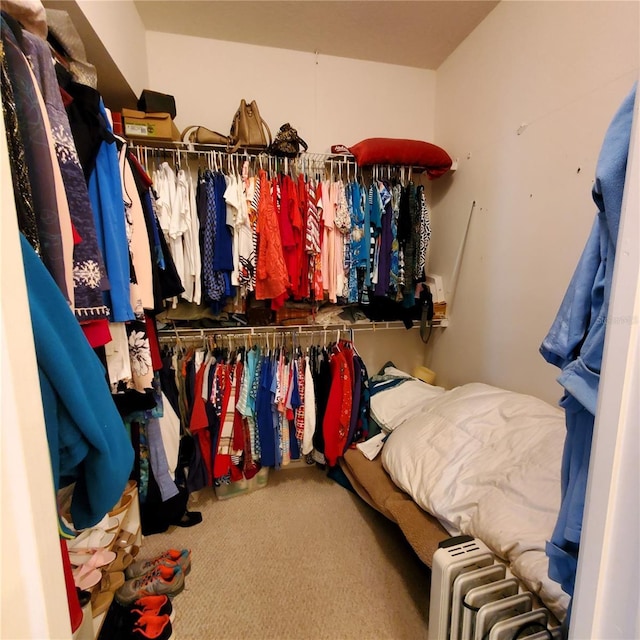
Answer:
x=287 y=142
x=259 y=313
x=155 y=102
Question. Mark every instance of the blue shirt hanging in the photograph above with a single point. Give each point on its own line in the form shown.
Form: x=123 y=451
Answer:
x=576 y=339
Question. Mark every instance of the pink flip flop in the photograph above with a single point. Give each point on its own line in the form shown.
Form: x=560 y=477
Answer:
x=94 y=559
x=84 y=578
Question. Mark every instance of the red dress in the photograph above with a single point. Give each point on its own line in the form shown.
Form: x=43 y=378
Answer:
x=272 y=280
x=337 y=417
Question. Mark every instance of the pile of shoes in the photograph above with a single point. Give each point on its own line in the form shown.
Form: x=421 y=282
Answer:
x=147 y=618
x=100 y=555
x=151 y=617
x=162 y=575
x=142 y=607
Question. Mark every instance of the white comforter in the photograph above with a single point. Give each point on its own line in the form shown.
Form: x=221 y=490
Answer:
x=486 y=462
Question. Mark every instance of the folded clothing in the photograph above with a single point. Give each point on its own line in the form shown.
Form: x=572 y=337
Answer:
x=397 y=396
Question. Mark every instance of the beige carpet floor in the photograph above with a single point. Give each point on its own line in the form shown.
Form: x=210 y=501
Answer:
x=301 y=559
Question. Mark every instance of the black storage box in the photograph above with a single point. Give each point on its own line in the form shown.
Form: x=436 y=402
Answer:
x=155 y=102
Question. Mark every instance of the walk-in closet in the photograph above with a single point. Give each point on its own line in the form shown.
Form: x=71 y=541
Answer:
x=319 y=319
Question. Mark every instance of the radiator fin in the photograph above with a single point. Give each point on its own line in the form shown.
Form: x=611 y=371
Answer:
x=473 y=597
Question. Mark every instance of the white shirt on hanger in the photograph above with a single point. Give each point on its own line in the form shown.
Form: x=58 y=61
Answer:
x=309 y=409
x=192 y=245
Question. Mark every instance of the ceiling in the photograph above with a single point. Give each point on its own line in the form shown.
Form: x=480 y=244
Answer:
x=415 y=33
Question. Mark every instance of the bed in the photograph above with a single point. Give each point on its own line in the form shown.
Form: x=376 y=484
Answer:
x=476 y=460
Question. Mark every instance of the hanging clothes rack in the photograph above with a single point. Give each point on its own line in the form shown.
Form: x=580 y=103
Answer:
x=172 y=335
x=219 y=158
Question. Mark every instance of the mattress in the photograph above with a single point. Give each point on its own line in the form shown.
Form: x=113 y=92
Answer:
x=486 y=462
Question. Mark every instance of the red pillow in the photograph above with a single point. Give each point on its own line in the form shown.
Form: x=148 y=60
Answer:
x=397 y=151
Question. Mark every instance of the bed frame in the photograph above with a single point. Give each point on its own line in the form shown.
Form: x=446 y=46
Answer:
x=373 y=484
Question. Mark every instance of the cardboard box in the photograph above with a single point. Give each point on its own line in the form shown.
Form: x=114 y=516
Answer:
x=439 y=309
x=150 y=126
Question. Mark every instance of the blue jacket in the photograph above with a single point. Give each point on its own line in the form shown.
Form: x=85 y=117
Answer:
x=576 y=339
x=87 y=439
x=107 y=201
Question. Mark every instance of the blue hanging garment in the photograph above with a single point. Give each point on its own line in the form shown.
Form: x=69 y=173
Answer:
x=576 y=339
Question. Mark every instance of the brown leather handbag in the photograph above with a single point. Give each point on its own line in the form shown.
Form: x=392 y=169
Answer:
x=248 y=129
x=202 y=135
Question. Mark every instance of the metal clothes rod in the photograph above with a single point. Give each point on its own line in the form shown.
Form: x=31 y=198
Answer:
x=291 y=332
x=219 y=159
x=220 y=152
x=192 y=147
x=219 y=155
x=171 y=333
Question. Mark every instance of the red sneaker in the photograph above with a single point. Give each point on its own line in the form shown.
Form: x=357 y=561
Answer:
x=152 y=628
x=163 y=580
x=153 y=605
x=182 y=557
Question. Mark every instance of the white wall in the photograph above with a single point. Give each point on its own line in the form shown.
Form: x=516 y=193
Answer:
x=561 y=68
x=329 y=100
x=122 y=33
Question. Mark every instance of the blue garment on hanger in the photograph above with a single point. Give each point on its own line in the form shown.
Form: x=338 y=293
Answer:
x=88 y=442
x=275 y=414
x=294 y=447
x=107 y=202
x=576 y=339
x=264 y=416
x=386 y=242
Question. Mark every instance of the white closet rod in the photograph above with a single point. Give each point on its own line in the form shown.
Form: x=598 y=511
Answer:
x=218 y=157
x=185 y=332
x=293 y=332
x=170 y=334
x=312 y=160
x=203 y=149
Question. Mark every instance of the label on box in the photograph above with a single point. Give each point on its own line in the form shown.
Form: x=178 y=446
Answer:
x=133 y=129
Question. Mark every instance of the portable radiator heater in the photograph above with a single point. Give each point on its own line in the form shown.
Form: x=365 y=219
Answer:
x=474 y=597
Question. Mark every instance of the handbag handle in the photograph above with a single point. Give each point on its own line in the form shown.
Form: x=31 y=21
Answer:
x=266 y=126
x=188 y=131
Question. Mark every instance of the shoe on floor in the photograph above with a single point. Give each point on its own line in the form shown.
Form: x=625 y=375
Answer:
x=188 y=519
x=163 y=580
x=181 y=557
x=153 y=605
x=149 y=627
